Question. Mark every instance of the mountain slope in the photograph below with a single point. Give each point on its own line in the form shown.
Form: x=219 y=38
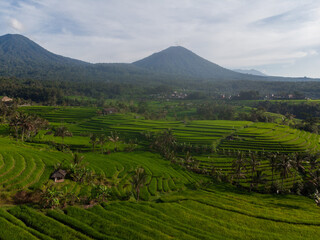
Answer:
x=17 y=49
x=21 y=57
x=181 y=61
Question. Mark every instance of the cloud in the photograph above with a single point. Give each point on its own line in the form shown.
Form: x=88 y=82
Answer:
x=231 y=33
x=15 y=24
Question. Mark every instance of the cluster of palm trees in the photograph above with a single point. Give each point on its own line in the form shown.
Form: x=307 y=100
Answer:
x=52 y=197
x=62 y=131
x=303 y=167
x=78 y=170
x=164 y=143
x=25 y=126
x=102 y=139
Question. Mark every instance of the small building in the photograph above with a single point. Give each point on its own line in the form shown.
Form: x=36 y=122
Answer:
x=107 y=111
x=6 y=99
x=59 y=175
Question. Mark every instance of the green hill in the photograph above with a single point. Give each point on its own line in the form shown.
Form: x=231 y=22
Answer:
x=181 y=61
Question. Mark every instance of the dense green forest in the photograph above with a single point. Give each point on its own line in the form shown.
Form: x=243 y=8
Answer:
x=56 y=91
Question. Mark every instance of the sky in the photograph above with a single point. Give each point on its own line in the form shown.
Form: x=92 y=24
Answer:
x=277 y=37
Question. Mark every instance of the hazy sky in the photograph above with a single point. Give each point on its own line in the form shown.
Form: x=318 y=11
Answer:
x=278 y=37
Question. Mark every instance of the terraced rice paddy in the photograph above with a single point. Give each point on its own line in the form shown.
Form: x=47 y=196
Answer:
x=216 y=212
x=273 y=138
x=29 y=168
x=162 y=175
x=248 y=135
x=171 y=210
x=25 y=167
x=223 y=163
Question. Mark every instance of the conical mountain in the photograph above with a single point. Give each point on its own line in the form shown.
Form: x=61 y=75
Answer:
x=20 y=51
x=181 y=61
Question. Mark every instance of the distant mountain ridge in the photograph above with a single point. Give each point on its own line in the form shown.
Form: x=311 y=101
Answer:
x=20 y=57
x=250 y=71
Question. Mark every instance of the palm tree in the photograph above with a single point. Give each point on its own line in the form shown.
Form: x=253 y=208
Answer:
x=100 y=193
x=114 y=137
x=62 y=132
x=26 y=125
x=298 y=164
x=239 y=166
x=88 y=175
x=188 y=159
x=284 y=167
x=312 y=159
x=76 y=169
x=4 y=110
x=67 y=197
x=315 y=179
x=259 y=178
x=138 y=180
x=254 y=163
x=77 y=159
x=15 y=124
x=94 y=141
x=273 y=161
x=102 y=140
x=50 y=197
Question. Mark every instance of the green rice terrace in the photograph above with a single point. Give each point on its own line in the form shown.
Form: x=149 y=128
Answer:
x=131 y=178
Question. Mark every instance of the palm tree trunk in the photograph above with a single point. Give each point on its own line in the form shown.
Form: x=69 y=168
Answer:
x=138 y=194
x=251 y=179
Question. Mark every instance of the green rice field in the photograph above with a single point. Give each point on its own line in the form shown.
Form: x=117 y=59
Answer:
x=216 y=212
x=176 y=203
